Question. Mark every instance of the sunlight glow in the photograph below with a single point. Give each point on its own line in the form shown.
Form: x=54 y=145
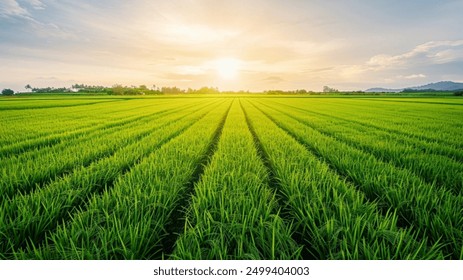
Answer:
x=227 y=68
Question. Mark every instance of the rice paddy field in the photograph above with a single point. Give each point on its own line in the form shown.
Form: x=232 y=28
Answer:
x=231 y=177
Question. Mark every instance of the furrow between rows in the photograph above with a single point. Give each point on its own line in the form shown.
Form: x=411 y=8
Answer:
x=129 y=221
x=432 y=212
x=31 y=171
x=75 y=133
x=27 y=219
x=333 y=219
x=433 y=169
x=233 y=213
x=373 y=122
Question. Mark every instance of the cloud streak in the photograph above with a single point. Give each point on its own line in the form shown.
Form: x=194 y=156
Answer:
x=430 y=52
x=37 y=4
x=11 y=8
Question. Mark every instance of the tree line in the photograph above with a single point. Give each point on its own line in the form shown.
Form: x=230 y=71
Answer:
x=116 y=89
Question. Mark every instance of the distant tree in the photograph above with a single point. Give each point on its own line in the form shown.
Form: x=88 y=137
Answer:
x=171 y=90
x=118 y=89
x=7 y=91
x=208 y=90
x=275 y=92
x=50 y=90
x=458 y=93
x=329 y=89
x=28 y=86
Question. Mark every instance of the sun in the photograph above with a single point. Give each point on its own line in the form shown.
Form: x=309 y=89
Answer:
x=227 y=68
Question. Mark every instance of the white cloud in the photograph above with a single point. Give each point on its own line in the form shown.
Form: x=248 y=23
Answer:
x=23 y=12
x=413 y=76
x=423 y=57
x=428 y=53
x=36 y=4
x=11 y=8
x=274 y=80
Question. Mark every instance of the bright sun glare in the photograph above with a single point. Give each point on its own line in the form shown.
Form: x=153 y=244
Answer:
x=227 y=68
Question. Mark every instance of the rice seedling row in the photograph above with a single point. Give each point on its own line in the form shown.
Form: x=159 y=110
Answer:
x=231 y=178
x=422 y=144
x=416 y=114
x=73 y=129
x=433 y=212
x=233 y=213
x=389 y=109
x=374 y=118
x=50 y=120
x=137 y=210
x=434 y=169
x=32 y=169
x=37 y=104
x=333 y=219
x=29 y=217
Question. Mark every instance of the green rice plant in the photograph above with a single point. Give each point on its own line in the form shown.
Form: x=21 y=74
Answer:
x=389 y=126
x=26 y=219
x=195 y=177
x=78 y=131
x=28 y=125
x=438 y=128
x=129 y=221
x=33 y=169
x=334 y=220
x=22 y=104
x=432 y=168
x=233 y=213
x=434 y=213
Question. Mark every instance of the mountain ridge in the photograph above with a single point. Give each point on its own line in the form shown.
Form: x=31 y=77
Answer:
x=438 y=86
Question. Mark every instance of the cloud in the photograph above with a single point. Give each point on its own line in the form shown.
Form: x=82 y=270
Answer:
x=273 y=79
x=50 y=78
x=319 y=70
x=11 y=8
x=431 y=59
x=413 y=76
x=23 y=21
x=305 y=44
x=432 y=52
x=36 y=4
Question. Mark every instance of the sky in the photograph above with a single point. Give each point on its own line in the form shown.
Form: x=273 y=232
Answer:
x=250 y=45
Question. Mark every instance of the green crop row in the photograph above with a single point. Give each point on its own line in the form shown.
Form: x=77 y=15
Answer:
x=226 y=177
x=16 y=139
x=334 y=220
x=372 y=114
x=431 y=167
x=433 y=212
x=22 y=174
x=130 y=220
x=27 y=218
x=18 y=104
x=233 y=212
x=22 y=125
x=427 y=146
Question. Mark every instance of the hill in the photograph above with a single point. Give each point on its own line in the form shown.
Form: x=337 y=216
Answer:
x=439 y=86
